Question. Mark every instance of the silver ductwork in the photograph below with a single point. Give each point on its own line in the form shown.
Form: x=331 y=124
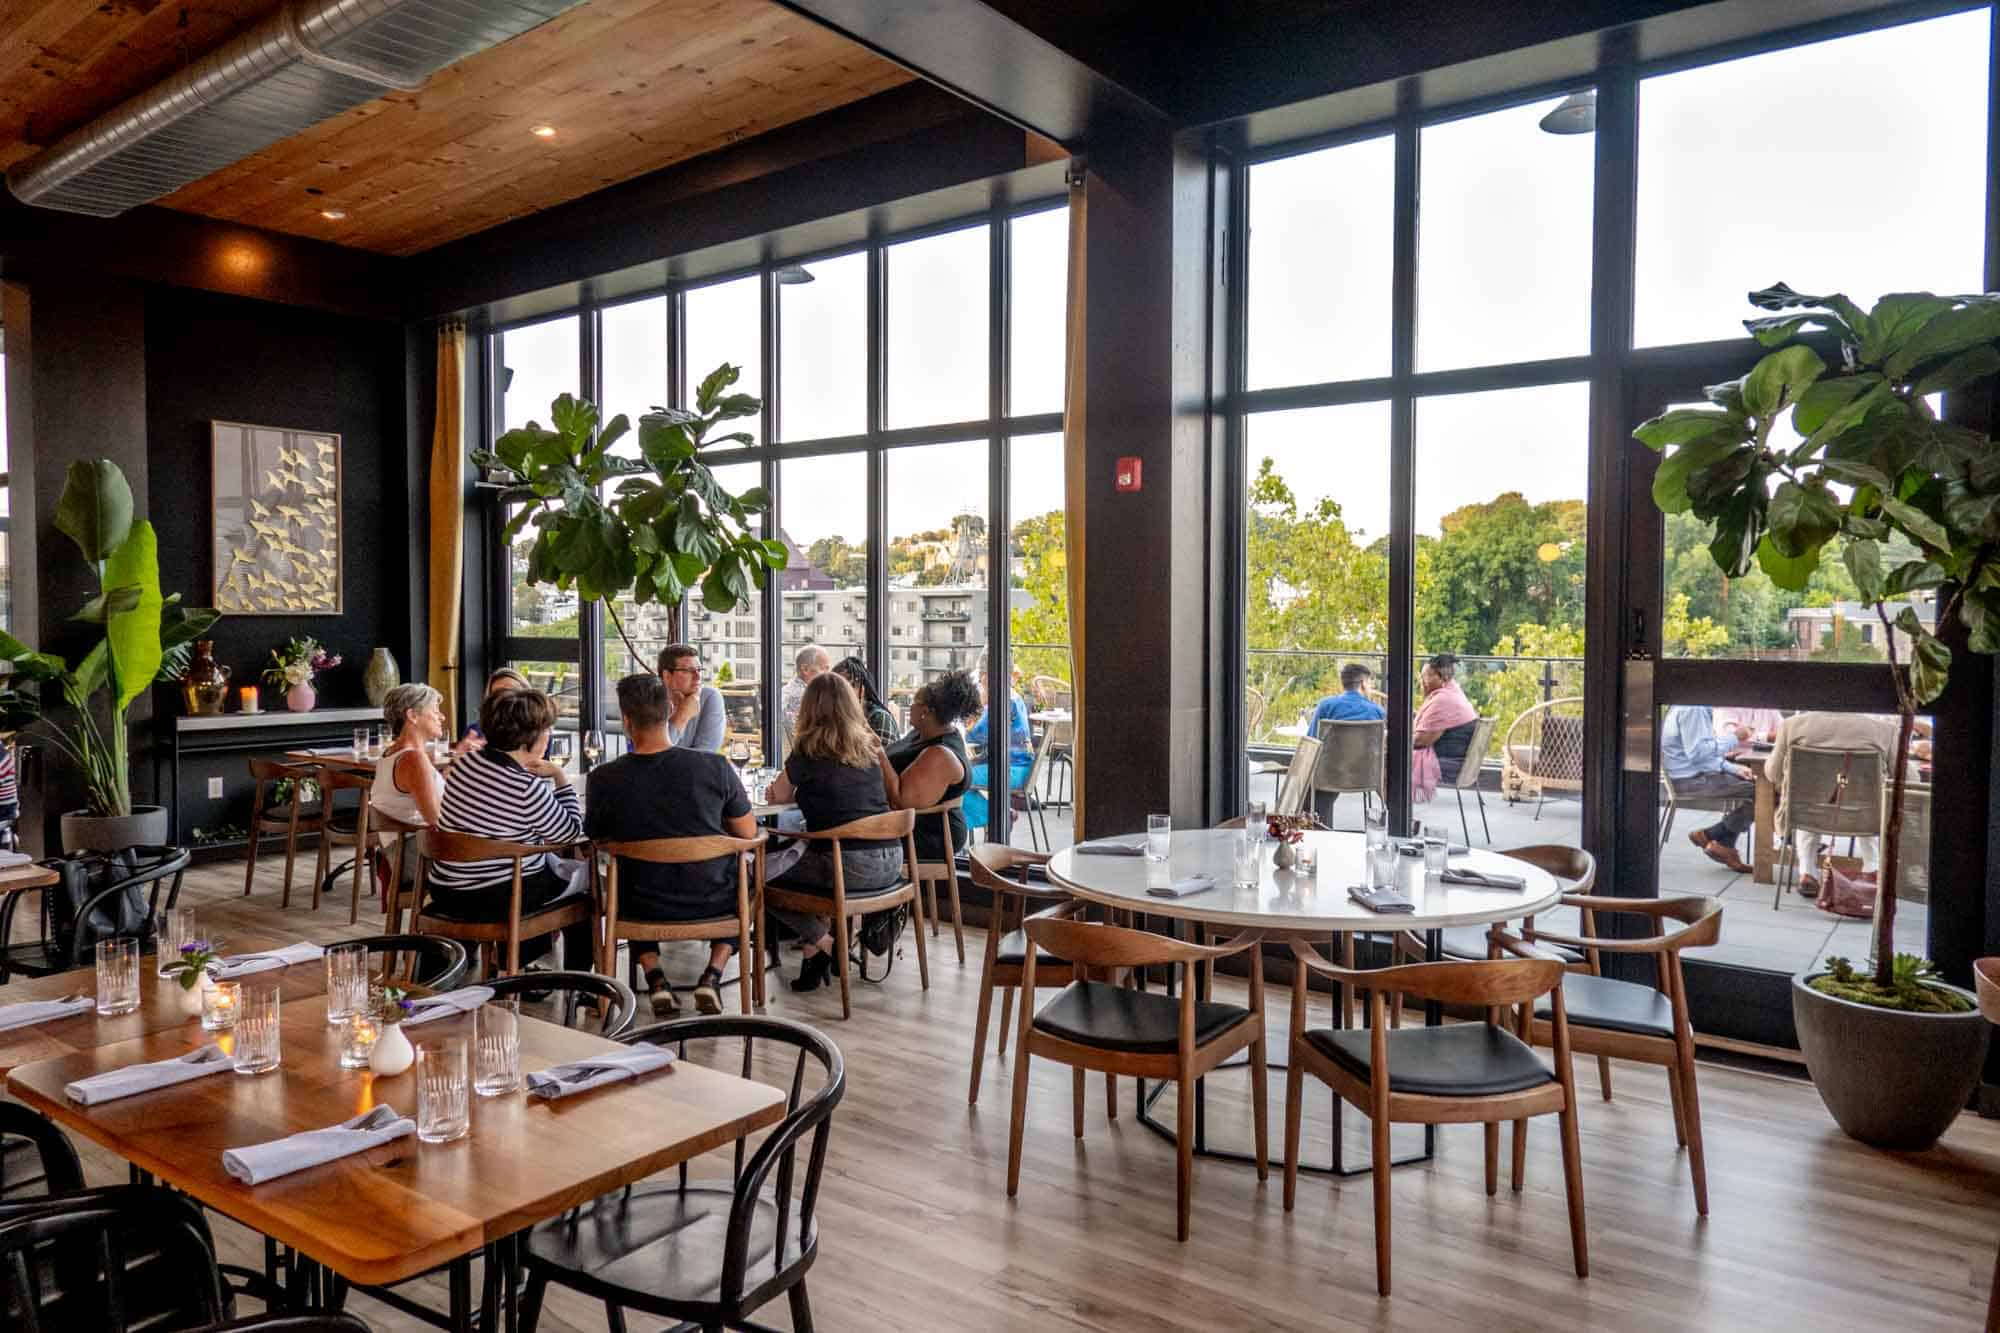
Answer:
x=310 y=61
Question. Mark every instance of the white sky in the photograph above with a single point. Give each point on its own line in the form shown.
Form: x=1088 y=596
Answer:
x=937 y=313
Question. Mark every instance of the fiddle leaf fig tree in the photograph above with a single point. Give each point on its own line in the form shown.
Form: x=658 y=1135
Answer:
x=653 y=527
x=1911 y=503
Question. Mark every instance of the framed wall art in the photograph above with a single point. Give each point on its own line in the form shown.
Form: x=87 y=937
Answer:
x=274 y=507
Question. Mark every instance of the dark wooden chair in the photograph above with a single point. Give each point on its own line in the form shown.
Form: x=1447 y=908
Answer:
x=1455 y=1074
x=1629 y=1020
x=492 y=937
x=930 y=874
x=1096 y=1025
x=280 y=817
x=382 y=822
x=706 y=1255
x=682 y=851
x=837 y=903
x=347 y=827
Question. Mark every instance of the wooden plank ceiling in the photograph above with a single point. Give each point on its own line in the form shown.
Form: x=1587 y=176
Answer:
x=629 y=86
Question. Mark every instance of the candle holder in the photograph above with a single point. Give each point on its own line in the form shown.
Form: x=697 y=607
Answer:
x=357 y=1043
x=220 y=1004
x=247 y=697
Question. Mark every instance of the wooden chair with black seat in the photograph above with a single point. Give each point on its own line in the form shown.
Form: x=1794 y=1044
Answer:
x=1460 y=1073
x=897 y=824
x=1630 y=1020
x=499 y=941
x=1097 y=1025
x=401 y=855
x=1003 y=872
x=684 y=851
x=930 y=874
x=269 y=816
x=344 y=826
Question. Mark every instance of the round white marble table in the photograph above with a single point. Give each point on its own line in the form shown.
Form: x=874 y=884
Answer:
x=1288 y=902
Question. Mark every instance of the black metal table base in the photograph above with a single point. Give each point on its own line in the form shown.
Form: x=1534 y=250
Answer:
x=1336 y=1165
x=309 y=1285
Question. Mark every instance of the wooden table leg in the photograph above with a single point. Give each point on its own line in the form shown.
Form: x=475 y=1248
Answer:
x=1763 y=855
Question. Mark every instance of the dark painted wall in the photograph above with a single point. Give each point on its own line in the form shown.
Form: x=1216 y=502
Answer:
x=224 y=358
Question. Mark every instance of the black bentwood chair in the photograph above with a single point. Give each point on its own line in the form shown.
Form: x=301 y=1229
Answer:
x=59 y=1171
x=612 y=997
x=123 y=888
x=317 y=1322
x=110 y=1260
x=431 y=961
x=705 y=1255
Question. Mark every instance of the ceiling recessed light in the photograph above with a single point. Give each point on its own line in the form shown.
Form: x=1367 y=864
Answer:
x=542 y=131
x=333 y=214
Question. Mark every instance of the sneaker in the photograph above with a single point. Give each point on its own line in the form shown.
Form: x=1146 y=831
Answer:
x=708 y=992
x=660 y=995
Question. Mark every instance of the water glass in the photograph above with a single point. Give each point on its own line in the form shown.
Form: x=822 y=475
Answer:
x=1256 y=819
x=220 y=1004
x=346 y=981
x=1159 y=837
x=361 y=742
x=359 y=1039
x=496 y=1054
x=1436 y=852
x=377 y=742
x=257 y=1031
x=1307 y=858
x=1249 y=866
x=1376 y=825
x=117 y=976
x=442 y=1110
x=172 y=928
x=1382 y=867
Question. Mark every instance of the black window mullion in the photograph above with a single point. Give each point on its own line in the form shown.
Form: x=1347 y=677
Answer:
x=1402 y=464
x=590 y=620
x=999 y=534
x=769 y=681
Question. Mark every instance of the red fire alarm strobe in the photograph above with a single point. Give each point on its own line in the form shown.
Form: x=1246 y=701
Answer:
x=1129 y=474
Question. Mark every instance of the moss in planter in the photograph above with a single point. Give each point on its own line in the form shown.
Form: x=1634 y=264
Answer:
x=1911 y=989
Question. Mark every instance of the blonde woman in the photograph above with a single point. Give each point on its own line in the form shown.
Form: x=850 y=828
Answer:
x=408 y=785
x=834 y=775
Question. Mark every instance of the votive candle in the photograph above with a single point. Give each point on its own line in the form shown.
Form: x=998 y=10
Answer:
x=218 y=1005
x=248 y=694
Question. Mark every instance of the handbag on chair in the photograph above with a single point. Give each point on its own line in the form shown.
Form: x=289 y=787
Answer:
x=81 y=877
x=1845 y=889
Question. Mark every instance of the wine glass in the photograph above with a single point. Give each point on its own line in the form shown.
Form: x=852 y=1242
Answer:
x=593 y=746
x=739 y=755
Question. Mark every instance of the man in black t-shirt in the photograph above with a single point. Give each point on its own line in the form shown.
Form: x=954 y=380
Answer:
x=658 y=790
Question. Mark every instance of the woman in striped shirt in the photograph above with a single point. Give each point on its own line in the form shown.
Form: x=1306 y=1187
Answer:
x=506 y=790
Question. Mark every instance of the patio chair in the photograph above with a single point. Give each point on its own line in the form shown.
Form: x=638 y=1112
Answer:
x=1469 y=769
x=1834 y=793
x=1350 y=760
x=1543 y=750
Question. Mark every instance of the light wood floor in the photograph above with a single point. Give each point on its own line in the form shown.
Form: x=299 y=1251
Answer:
x=1806 y=1227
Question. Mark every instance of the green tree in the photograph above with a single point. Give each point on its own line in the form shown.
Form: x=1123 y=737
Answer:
x=1496 y=564
x=1040 y=611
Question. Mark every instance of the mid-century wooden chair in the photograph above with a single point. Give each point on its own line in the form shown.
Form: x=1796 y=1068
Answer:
x=619 y=925
x=1096 y=1025
x=382 y=822
x=275 y=817
x=930 y=874
x=1002 y=871
x=344 y=828
x=493 y=937
x=1631 y=1020
x=1456 y=1074
x=837 y=903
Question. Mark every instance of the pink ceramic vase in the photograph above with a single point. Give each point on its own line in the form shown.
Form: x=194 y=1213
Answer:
x=300 y=698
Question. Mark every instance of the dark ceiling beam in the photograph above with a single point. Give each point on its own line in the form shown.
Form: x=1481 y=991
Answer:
x=903 y=142
x=990 y=60
x=159 y=245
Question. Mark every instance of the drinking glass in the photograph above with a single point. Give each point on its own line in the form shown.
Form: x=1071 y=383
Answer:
x=496 y=1055
x=1307 y=862
x=1436 y=852
x=1159 y=837
x=361 y=742
x=442 y=1111
x=377 y=742
x=257 y=1031
x=1248 y=867
x=359 y=1039
x=739 y=754
x=172 y=927
x=1376 y=824
x=117 y=976
x=559 y=748
x=220 y=1004
x=346 y=981
x=1382 y=867
x=1256 y=821
x=593 y=746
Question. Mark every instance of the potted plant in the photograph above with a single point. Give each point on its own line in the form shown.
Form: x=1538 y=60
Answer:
x=1914 y=505
x=652 y=527
x=293 y=667
x=141 y=637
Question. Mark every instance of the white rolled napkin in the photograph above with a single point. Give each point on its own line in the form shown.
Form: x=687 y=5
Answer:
x=245 y=964
x=1108 y=847
x=461 y=1001
x=258 y=1162
x=134 y=1079
x=29 y=1012
x=583 y=1075
x=8 y=860
x=1182 y=888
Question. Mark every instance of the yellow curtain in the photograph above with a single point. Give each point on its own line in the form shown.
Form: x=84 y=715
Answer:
x=1074 y=475
x=447 y=517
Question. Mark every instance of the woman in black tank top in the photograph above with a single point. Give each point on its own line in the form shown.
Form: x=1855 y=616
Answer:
x=930 y=765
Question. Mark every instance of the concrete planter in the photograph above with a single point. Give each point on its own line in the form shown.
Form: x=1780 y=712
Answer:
x=145 y=826
x=1890 y=1078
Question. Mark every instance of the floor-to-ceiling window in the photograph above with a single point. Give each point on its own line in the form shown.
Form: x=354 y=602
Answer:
x=906 y=383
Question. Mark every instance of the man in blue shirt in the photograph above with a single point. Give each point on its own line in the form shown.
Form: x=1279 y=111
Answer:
x=1352 y=704
x=1699 y=767
x=1020 y=750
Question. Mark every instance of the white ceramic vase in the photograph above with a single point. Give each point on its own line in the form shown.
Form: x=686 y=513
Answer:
x=187 y=999
x=392 y=1053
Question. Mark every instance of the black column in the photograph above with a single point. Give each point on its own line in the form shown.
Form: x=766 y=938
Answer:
x=1148 y=691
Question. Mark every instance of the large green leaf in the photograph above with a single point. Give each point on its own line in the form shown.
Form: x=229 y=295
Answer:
x=1896 y=319
x=1908 y=577
x=1787 y=571
x=1739 y=527
x=1711 y=486
x=1817 y=403
x=1779 y=378
x=1930 y=660
x=1670 y=480
x=1944 y=335
x=1803 y=519
x=1684 y=425
x=107 y=603
x=712 y=385
x=1968 y=367
x=95 y=509
x=1838 y=420
x=1915 y=523
x=134 y=633
x=1863 y=559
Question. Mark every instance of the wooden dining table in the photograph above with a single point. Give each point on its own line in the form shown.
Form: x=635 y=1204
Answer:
x=14 y=879
x=406 y=1207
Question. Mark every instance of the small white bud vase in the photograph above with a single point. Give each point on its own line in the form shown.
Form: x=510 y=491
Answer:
x=187 y=1000
x=392 y=1053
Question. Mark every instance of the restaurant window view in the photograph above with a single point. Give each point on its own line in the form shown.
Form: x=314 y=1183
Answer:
x=1181 y=612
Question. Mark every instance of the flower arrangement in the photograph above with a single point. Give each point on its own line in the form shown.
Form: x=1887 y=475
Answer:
x=392 y=1004
x=197 y=957
x=1290 y=828
x=298 y=662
